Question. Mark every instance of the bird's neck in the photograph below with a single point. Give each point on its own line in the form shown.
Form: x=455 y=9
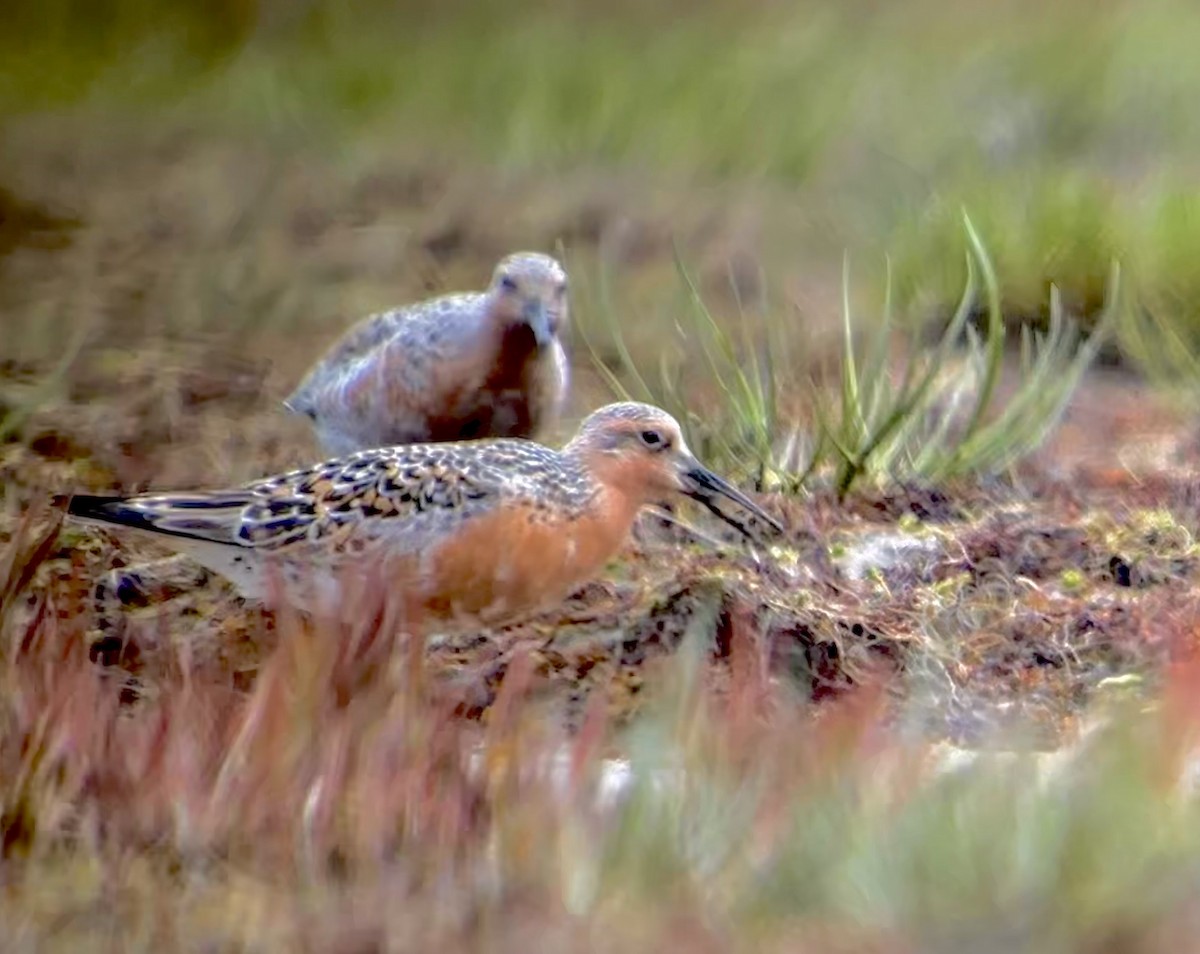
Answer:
x=499 y=319
x=620 y=483
x=603 y=532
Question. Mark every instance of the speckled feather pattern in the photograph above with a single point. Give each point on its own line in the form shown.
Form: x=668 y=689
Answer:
x=408 y=494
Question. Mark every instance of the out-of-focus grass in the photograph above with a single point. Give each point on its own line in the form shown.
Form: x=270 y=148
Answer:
x=295 y=815
x=885 y=119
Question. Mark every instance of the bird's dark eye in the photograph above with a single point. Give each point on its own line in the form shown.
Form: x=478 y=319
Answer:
x=508 y=283
x=652 y=439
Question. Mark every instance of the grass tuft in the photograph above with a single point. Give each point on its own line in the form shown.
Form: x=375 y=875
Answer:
x=935 y=418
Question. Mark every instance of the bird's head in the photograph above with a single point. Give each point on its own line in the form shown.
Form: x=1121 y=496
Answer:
x=639 y=451
x=530 y=289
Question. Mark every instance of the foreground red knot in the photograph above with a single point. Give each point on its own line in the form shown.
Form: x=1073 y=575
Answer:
x=458 y=367
x=480 y=531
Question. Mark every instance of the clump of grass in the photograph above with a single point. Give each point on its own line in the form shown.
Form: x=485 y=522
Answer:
x=935 y=419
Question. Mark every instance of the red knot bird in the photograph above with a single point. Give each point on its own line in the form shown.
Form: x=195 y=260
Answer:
x=476 y=531
x=453 y=368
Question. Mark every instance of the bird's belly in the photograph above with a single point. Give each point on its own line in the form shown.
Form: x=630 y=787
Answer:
x=239 y=565
x=508 y=565
x=488 y=571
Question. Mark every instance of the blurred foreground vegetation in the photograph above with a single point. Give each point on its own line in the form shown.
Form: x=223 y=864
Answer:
x=731 y=815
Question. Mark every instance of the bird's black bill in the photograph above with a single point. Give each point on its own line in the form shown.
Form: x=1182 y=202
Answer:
x=704 y=486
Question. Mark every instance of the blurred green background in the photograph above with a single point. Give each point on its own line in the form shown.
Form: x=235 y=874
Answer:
x=266 y=172
x=1068 y=130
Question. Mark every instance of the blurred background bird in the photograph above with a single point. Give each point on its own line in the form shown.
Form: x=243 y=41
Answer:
x=456 y=367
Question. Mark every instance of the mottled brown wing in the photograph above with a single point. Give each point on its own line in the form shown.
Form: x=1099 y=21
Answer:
x=403 y=493
x=411 y=495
